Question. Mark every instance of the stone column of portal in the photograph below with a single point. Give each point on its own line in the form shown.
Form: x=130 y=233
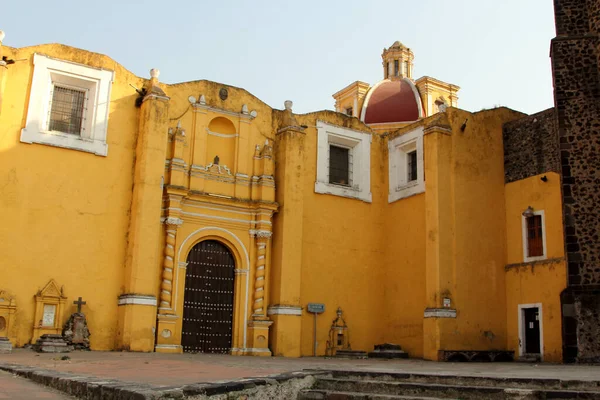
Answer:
x=437 y=320
x=259 y=325
x=138 y=302
x=285 y=309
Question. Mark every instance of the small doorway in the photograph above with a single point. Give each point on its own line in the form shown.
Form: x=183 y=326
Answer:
x=530 y=331
x=208 y=299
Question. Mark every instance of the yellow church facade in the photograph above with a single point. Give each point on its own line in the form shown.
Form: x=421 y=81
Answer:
x=193 y=217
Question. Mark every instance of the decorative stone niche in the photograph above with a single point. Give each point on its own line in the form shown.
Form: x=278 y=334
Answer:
x=8 y=308
x=49 y=308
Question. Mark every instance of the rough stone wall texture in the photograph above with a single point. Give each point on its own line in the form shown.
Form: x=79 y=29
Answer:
x=531 y=146
x=576 y=70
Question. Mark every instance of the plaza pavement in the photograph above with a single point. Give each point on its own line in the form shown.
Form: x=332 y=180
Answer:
x=156 y=369
x=16 y=388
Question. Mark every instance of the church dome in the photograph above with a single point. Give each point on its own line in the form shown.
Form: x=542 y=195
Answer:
x=394 y=100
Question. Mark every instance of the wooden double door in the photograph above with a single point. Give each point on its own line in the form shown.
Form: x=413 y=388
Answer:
x=208 y=299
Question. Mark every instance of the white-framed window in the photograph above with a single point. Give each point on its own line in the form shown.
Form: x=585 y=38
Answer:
x=68 y=105
x=534 y=236
x=343 y=162
x=406 y=174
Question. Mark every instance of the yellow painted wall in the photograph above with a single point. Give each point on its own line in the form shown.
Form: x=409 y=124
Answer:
x=404 y=274
x=342 y=253
x=65 y=212
x=477 y=168
x=541 y=281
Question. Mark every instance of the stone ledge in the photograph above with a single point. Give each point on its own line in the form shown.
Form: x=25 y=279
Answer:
x=89 y=387
x=92 y=387
x=538 y=263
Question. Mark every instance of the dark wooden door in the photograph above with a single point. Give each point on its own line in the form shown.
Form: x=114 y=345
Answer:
x=208 y=299
x=532 y=330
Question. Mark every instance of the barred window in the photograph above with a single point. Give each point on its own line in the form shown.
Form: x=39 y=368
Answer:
x=535 y=242
x=67 y=106
x=411 y=167
x=339 y=165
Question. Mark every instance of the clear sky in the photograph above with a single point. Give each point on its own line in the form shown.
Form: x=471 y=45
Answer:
x=496 y=51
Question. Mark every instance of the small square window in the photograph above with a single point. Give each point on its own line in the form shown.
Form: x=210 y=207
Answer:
x=535 y=242
x=411 y=168
x=67 y=106
x=349 y=111
x=339 y=165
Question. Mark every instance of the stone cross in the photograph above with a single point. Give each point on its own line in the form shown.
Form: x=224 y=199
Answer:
x=79 y=303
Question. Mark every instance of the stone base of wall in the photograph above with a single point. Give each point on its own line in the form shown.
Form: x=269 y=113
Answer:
x=581 y=324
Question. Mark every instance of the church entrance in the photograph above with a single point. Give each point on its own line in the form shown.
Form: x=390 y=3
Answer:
x=208 y=299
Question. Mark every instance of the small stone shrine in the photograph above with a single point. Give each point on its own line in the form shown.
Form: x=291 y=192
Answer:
x=51 y=343
x=388 y=351
x=5 y=345
x=338 y=344
x=75 y=331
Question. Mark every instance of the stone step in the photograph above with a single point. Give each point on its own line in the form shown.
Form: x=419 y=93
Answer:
x=445 y=391
x=355 y=354
x=517 y=383
x=330 y=395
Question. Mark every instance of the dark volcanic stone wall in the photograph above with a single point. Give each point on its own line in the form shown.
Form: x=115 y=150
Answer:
x=530 y=146
x=576 y=69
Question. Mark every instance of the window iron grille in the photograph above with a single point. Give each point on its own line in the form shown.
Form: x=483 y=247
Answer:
x=411 y=160
x=67 y=107
x=340 y=161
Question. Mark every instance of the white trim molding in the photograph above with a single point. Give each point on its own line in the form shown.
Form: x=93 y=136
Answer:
x=168 y=346
x=544 y=255
x=96 y=82
x=439 y=313
x=137 y=299
x=521 y=323
x=398 y=150
x=359 y=145
x=284 y=310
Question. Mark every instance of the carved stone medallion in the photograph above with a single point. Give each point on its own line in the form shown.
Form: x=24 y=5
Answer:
x=223 y=93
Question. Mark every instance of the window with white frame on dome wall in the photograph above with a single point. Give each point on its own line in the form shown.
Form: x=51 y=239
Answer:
x=406 y=174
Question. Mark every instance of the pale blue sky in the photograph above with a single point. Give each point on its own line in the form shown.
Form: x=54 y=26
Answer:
x=496 y=51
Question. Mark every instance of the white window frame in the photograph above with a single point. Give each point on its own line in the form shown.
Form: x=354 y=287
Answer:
x=359 y=146
x=522 y=327
x=97 y=82
x=544 y=256
x=398 y=148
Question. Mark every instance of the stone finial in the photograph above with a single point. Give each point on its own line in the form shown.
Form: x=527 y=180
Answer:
x=245 y=109
x=2 y=35
x=202 y=100
x=154 y=73
x=288 y=116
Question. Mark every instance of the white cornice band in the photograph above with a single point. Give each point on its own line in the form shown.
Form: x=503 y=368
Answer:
x=284 y=310
x=126 y=299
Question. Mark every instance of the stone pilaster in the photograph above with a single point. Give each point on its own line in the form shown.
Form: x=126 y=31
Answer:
x=138 y=302
x=575 y=55
x=286 y=272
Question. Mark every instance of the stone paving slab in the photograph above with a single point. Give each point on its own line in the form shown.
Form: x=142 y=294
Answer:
x=17 y=388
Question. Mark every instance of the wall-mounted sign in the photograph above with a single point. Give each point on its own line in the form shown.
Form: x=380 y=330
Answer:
x=316 y=308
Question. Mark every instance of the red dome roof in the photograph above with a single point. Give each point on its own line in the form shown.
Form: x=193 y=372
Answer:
x=392 y=101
